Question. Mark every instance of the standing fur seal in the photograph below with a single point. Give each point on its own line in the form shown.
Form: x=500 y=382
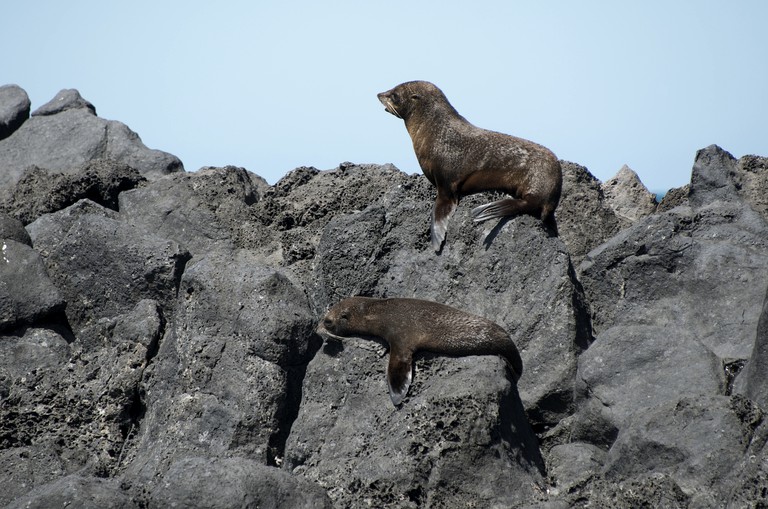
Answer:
x=461 y=159
x=410 y=325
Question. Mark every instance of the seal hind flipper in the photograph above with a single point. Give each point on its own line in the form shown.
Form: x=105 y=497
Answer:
x=399 y=374
x=502 y=208
x=443 y=210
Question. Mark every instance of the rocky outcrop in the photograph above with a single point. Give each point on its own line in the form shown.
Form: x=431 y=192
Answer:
x=66 y=133
x=157 y=341
x=14 y=109
x=40 y=191
x=628 y=197
x=585 y=218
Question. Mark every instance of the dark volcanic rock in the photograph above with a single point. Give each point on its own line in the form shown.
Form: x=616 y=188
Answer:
x=67 y=99
x=694 y=439
x=675 y=300
x=234 y=482
x=613 y=371
x=673 y=198
x=116 y=266
x=201 y=210
x=69 y=406
x=14 y=109
x=294 y=212
x=40 y=191
x=77 y=491
x=13 y=229
x=461 y=437
x=756 y=380
x=68 y=134
x=628 y=197
x=26 y=292
x=585 y=219
x=223 y=380
x=678 y=268
x=751 y=181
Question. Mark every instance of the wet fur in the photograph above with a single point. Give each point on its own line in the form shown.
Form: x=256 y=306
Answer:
x=460 y=159
x=412 y=325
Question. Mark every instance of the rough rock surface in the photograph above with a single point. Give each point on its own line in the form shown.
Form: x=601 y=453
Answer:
x=66 y=133
x=627 y=196
x=40 y=191
x=14 y=109
x=585 y=219
x=27 y=294
x=115 y=266
x=157 y=345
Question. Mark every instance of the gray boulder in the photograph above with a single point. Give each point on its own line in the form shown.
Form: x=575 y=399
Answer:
x=675 y=299
x=116 y=265
x=289 y=219
x=677 y=269
x=747 y=178
x=13 y=229
x=460 y=438
x=673 y=198
x=755 y=381
x=223 y=483
x=14 y=109
x=77 y=491
x=27 y=294
x=614 y=372
x=628 y=197
x=751 y=179
x=70 y=134
x=696 y=441
x=67 y=99
x=573 y=465
x=226 y=380
x=40 y=191
x=70 y=404
x=585 y=218
x=744 y=485
x=203 y=210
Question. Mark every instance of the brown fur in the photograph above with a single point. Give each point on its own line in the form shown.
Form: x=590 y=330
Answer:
x=460 y=159
x=410 y=325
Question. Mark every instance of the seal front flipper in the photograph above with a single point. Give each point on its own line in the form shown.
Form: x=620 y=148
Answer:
x=443 y=210
x=399 y=374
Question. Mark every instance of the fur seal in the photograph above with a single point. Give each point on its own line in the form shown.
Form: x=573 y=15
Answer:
x=460 y=159
x=410 y=325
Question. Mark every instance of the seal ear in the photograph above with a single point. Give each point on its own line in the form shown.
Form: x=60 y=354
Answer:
x=399 y=374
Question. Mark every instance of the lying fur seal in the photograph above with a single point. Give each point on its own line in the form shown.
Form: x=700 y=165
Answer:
x=410 y=325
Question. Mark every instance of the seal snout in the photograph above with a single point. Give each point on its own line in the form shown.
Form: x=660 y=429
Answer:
x=386 y=100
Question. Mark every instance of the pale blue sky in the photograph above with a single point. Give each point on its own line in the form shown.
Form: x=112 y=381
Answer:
x=275 y=85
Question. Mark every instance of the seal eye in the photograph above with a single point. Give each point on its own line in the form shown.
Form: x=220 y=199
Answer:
x=344 y=316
